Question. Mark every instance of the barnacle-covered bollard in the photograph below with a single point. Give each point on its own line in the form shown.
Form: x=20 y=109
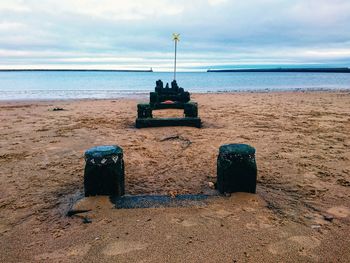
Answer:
x=236 y=169
x=104 y=171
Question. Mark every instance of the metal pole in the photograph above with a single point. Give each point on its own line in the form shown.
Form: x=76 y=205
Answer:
x=175 y=59
x=176 y=39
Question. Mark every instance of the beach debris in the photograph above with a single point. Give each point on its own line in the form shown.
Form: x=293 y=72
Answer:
x=58 y=109
x=171 y=137
x=87 y=220
x=211 y=185
x=328 y=218
x=74 y=212
x=173 y=194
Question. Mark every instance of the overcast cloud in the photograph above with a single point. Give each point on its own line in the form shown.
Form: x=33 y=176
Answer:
x=118 y=34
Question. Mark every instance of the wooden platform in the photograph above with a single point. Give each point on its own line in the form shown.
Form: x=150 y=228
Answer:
x=162 y=122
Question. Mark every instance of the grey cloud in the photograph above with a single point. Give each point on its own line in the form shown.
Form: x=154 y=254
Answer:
x=236 y=31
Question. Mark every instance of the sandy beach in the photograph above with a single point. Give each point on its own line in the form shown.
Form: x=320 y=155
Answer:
x=301 y=212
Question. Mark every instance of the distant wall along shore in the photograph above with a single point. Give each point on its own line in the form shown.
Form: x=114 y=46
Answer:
x=300 y=70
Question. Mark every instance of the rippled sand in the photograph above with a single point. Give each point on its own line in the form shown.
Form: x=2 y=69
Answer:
x=301 y=211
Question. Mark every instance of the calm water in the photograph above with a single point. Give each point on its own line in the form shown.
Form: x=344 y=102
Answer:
x=70 y=85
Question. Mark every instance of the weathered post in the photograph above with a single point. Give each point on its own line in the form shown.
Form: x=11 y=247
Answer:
x=236 y=169
x=104 y=171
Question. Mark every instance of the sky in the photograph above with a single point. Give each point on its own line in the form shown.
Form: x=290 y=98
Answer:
x=115 y=34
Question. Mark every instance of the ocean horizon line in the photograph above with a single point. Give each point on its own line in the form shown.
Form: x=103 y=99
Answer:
x=210 y=70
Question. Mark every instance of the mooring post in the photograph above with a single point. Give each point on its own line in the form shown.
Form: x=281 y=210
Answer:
x=236 y=169
x=104 y=171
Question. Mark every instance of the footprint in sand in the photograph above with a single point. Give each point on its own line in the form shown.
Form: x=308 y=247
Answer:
x=302 y=245
x=258 y=226
x=184 y=222
x=262 y=222
x=339 y=211
x=223 y=213
x=77 y=251
x=4 y=228
x=218 y=214
x=123 y=247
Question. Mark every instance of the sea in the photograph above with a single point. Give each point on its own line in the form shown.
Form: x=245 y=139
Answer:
x=56 y=85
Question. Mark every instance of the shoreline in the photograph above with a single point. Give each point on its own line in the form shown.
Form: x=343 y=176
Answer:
x=140 y=96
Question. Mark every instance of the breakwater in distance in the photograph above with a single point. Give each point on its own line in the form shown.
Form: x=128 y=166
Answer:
x=283 y=70
x=76 y=70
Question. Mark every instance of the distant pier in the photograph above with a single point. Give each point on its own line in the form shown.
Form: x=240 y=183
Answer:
x=78 y=70
x=301 y=70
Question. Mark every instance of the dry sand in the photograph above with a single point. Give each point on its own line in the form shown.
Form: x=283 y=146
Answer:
x=302 y=142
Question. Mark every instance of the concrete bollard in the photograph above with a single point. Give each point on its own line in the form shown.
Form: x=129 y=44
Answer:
x=104 y=171
x=236 y=169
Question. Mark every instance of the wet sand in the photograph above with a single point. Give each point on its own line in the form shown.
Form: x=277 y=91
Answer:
x=301 y=211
